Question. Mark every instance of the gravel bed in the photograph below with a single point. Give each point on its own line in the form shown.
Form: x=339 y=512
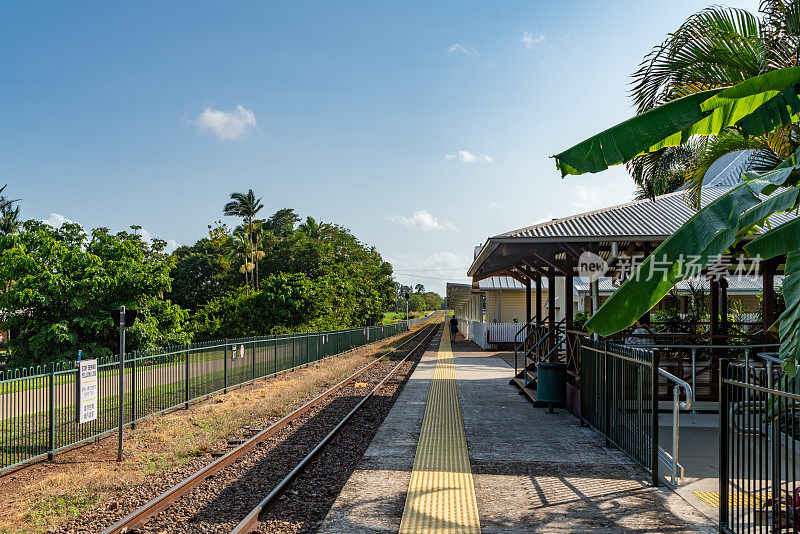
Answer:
x=224 y=499
x=305 y=505
x=104 y=515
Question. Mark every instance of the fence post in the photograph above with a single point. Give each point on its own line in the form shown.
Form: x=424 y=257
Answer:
x=133 y=391
x=292 y=352
x=723 y=446
x=580 y=374
x=51 y=413
x=225 y=365
x=253 y=354
x=186 y=388
x=654 y=438
x=607 y=399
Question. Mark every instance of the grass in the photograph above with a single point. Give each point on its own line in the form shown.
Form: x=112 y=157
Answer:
x=26 y=436
x=67 y=506
x=393 y=317
x=46 y=495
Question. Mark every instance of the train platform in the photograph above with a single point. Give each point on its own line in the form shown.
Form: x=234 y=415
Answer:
x=461 y=451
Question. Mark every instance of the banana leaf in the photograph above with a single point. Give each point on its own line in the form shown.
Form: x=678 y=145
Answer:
x=784 y=239
x=709 y=233
x=754 y=106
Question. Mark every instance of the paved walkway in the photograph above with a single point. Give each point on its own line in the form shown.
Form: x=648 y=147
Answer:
x=533 y=472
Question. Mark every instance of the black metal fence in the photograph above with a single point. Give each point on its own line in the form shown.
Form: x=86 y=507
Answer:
x=38 y=406
x=619 y=398
x=759 y=447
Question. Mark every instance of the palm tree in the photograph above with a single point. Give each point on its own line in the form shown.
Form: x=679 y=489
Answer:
x=9 y=220
x=760 y=112
x=716 y=47
x=242 y=249
x=246 y=206
x=313 y=229
x=9 y=214
x=256 y=234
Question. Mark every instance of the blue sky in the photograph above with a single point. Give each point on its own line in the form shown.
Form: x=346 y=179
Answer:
x=424 y=127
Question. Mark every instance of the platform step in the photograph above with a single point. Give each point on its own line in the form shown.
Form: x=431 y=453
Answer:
x=523 y=390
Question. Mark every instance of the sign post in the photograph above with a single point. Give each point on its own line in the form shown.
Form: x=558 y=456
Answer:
x=87 y=371
x=124 y=319
x=121 y=407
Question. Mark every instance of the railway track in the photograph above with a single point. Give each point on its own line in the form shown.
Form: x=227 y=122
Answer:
x=258 y=470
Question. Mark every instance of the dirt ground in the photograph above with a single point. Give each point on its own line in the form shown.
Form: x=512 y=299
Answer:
x=165 y=448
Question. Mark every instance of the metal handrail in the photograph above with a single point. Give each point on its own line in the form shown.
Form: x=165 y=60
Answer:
x=555 y=348
x=555 y=329
x=706 y=346
x=680 y=384
x=533 y=331
x=531 y=320
x=677 y=406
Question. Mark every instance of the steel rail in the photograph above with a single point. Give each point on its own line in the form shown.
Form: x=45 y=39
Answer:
x=253 y=519
x=169 y=497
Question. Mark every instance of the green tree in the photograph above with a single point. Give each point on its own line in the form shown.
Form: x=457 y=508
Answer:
x=246 y=206
x=715 y=48
x=9 y=214
x=204 y=270
x=284 y=303
x=63 y=284
x=759 y=106
x=282 y=222
x=313 y=229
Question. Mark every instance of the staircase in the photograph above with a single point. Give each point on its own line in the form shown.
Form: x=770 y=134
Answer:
x=533 y=343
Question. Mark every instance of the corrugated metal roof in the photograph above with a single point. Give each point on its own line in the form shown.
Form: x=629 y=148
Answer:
x=505 y=283
x=736 y=284
x=642 y=218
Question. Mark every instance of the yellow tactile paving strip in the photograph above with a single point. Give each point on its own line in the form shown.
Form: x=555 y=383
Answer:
x=738 y=500
x=441 y=494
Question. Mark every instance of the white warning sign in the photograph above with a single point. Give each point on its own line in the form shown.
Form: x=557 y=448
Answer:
x=88 y=391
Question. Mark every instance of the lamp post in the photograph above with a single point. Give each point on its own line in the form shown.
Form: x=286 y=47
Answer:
x=124 y=318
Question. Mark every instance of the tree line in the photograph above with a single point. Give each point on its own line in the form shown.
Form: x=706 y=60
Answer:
x=274 y=274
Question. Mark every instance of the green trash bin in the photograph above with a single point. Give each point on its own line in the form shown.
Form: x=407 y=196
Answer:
x=551 y=384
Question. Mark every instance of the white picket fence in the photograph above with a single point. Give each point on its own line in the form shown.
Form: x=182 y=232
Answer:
x=502 y=332
x=487 y=335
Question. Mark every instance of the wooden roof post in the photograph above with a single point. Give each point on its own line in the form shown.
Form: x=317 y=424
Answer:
x=714 y=328
x=551 y=305
x=538 y=304
x=568 y=311
x=527 y=300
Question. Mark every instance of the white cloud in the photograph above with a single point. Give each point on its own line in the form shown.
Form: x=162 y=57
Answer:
x=532 y=39
x=421 y=220
x=56 y=220
x=591 y=197
x=227 y=125
x=435 y=262
x=469 y=157
x=147 y=237
x=458 y=48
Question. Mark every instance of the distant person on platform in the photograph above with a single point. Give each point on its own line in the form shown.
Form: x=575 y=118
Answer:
x=641 y=336
x=453 y=327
